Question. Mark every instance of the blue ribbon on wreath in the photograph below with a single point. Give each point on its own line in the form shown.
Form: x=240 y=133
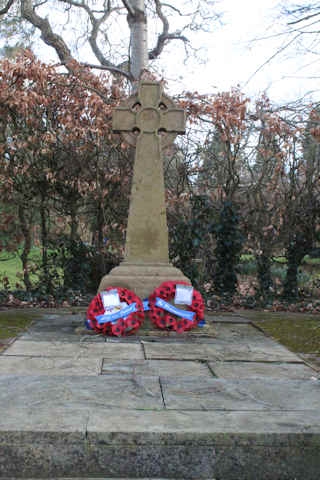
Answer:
x=172 y=309
x=114 y=317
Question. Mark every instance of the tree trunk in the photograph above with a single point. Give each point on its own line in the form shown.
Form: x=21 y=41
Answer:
x=100 y=224
x=73 y=222
x=264 y=275
x=137 y=21
x=44 y=244
x=26 y=230
x=295 y=253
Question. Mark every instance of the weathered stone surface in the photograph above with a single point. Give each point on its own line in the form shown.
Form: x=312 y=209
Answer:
x=77 y=392
x=162 y=427
x=23 y=365
x=147 y=231
x=199 y=462
x=73 y=336
x=173 y=427
x=262 y=370
x=265 y=350
x=227 y=318
x=155 y=368
x=237 y=332
x=27 y=424
x=244 y=394
x=142 y=277
x=61 y=328
x=312 y=359
x=76 y=350
x=58 y=321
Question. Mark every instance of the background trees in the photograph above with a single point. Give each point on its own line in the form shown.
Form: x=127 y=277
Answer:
x=59 y=157
x=238 y=182
x=113 y=34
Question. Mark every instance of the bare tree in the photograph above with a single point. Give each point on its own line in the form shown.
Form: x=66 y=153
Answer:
x=116 y=31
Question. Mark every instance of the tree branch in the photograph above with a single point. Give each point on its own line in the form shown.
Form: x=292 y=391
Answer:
x=57 y=42
x=47 y=35
x=110 y=68
x=304 y=19
x=129 y=7
x=165 y=35
x=96 y=23
x=7 y=7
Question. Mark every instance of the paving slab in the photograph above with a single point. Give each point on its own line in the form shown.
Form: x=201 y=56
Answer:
x=262 y=370
x=238 y=332
x=25 y=365
x=60 y=336
x=156 y=368
x=227 y=318
x=30 y=424
x=40 y=391
x=265 y=350
x=244 y=394
x=54 y=322
x=201 y=427
x=75 y=350
x=312 y=359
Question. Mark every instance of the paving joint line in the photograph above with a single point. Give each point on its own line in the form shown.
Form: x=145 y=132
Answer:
x=144 y=353
x=162 y=394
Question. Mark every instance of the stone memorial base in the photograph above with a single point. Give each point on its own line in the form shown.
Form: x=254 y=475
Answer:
x=233 y=406
x=142 y=278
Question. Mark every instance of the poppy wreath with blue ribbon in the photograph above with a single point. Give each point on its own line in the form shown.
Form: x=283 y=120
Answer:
x=125 y=322
x=170 y=319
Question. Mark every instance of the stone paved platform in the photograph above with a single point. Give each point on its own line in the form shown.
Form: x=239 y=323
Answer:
x=157 y=407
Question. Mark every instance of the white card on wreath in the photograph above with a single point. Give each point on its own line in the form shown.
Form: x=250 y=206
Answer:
x=183 y=295
x=110 y=299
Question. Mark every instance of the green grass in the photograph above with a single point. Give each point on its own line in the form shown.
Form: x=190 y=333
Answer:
x=311 y=261
x=10 y=265
x=13 y=323
x=299 y=333
x=9 y=268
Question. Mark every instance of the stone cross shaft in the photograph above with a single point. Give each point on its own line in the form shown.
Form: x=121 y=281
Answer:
x=150 y=118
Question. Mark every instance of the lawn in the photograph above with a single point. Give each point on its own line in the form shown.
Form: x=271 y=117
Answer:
x=11 y=265
x=12 y=324
x=297 y=332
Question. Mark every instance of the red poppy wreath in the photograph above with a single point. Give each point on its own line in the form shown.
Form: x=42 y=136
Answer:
x=166 y=315
x=119 y=320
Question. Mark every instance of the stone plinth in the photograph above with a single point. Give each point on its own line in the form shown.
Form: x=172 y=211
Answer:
x=142 y=278
x=150 y=121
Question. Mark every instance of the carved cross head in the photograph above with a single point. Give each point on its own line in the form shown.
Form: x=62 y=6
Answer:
x=149 y=112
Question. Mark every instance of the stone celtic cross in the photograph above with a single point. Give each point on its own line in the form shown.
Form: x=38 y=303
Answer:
x=152 y=120
x=148 y=120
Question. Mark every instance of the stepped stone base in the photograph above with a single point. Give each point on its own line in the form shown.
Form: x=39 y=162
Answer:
x=236 y=406
x=142 y=278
